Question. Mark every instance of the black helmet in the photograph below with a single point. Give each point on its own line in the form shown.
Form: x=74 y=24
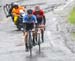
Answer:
x=14 y=4
x=29 y=11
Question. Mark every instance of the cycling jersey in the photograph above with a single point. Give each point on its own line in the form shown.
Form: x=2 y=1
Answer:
x=27 y=19
x=16 y=12
x=40 y=16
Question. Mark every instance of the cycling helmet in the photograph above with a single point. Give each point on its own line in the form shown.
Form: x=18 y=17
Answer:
x=37 y=8
x=14 y=4
x=29 y=11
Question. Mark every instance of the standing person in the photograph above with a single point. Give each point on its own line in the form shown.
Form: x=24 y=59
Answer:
x=29 y=22
x=41 y=21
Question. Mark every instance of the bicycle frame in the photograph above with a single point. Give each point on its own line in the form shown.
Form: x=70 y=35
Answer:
x=30 y=42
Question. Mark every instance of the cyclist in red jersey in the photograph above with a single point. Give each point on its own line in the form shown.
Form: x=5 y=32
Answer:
x=41 y=21
x=39 y=13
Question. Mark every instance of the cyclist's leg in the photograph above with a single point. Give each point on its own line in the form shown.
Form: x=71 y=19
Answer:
x=25 y=39
x=24 y=28
x=12 y=17
x=15 y=19
x=28 y=27
x=41 y=29
x=33 y=32
x=19 y=23
x=42 y=34
x=26 y=35
x=34 y=37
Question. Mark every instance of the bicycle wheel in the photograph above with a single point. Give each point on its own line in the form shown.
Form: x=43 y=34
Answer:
x=38 y=39
x=30 y=43
x=42 y=36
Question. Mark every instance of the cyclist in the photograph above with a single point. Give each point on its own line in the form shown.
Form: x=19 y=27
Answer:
x=29 y=22
x=16 y=12
x=12 y=5
x=41 y=21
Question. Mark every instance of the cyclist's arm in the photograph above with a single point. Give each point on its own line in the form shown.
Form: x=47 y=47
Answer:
x=21 y=7
x=43 y=16
x=14 y=12
x=24 y=22
x=44 y=19
x=35 y=20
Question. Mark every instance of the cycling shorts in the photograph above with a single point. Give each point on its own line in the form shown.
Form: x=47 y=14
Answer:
x=28 y=26
x=40 y=21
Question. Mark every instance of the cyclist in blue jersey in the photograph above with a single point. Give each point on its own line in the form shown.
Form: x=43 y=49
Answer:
x=29 y=22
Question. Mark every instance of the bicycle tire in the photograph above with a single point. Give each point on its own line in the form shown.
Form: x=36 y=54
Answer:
x=38 y=37
x=30 y=43
x=42 y=36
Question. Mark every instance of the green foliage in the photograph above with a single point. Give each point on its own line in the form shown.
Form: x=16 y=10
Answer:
x=71 y=18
